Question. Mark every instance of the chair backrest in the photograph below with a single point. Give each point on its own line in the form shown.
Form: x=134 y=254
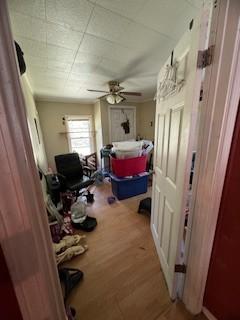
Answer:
x=69 y=165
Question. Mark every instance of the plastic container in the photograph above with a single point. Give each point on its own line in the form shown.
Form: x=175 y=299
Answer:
x=129 y=187
x=120 y=154
x=128 y=167
x=127 y=149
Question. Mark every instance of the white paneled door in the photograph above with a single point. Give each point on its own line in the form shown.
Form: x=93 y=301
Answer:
x=176 y=114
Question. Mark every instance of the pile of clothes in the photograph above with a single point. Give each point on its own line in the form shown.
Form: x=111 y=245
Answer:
x=69 y=247
x=64 y=221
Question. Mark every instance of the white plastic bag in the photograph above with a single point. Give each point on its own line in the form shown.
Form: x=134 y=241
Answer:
x=78 y=211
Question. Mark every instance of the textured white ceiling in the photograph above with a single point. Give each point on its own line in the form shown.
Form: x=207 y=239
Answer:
x=72 y=45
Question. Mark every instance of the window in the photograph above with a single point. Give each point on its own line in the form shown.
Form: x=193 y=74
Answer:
x=80 y=134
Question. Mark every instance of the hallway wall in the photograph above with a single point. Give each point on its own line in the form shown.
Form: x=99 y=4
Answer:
x=34 y=129
x=146 y=125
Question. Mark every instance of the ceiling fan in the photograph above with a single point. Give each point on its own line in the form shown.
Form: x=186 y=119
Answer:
x=115 y=94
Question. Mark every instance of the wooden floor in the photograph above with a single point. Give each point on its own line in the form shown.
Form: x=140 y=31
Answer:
x=122 y=274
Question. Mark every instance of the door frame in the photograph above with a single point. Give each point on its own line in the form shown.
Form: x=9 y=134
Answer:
x=120 y=107
x=24 y=232
x=221 y=93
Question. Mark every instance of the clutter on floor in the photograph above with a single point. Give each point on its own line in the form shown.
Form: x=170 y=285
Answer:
x=69 y=253
x=105 y=159
x=69 y=247
x=111 y=200
x=67 y=242
x=80 y=219
x=53 y=187
x=89 y=196
x=124 y=188
x=52 y=211
x=69 y=278
x=71 y=193
x=67 y=213
x=67 y=205
x=120 y=248
x=129 y=162
x=72 y=216
x=98 y=176
x=145 y=205
x=87 y=225
x=90 y=161
x=70 y=312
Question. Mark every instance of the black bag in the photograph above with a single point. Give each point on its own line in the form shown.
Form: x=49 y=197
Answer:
x=87 y=225
x=21 y=61
x=70 y=278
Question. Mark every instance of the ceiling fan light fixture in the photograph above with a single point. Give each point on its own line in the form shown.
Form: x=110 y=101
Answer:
x=119 y=98
x=111 y=98
x=114 y=98
x=115 y=94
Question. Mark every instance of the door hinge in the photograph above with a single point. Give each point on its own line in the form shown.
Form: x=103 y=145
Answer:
x=205 y=57
x=180 y=268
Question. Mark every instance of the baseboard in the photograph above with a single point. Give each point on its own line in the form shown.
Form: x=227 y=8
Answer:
x=208 y=314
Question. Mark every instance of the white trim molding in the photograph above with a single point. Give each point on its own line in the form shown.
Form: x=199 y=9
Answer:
x=221 y=93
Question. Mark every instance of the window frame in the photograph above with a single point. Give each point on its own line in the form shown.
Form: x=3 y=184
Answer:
x=80 y=117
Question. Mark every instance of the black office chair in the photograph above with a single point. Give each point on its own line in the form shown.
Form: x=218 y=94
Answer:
x=72 y=175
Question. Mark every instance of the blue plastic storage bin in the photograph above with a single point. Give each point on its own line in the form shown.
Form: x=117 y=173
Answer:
x=124 y=188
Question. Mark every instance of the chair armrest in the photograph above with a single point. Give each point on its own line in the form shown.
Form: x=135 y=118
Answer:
x=61 y=176
x=91 y=161
x=62 y=180
x=87 y=171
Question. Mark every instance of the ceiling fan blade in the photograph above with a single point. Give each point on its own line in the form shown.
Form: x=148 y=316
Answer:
x=122 y=97
x=91 y=90
x=131 y=93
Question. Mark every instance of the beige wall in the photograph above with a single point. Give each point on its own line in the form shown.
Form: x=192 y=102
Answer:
x=98 y=129
x=105 y=122
x=146 y=123
x=37 y=142
x=54 y=131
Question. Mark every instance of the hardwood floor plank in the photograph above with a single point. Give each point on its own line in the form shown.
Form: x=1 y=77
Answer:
x=122 y=274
